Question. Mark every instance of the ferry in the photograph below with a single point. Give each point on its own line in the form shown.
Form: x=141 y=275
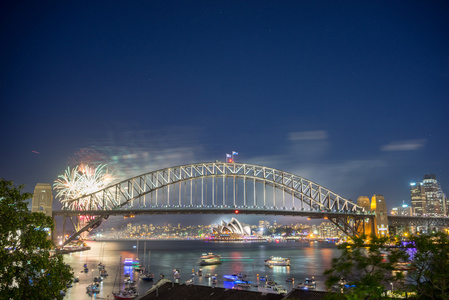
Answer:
x=209 y=259
x=277 y=261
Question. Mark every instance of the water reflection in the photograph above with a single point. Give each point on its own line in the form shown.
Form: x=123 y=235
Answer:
x=249 y=258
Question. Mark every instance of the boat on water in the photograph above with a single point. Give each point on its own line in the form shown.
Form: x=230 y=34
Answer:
x=232 y=277
x=147 y=276
x=103 y=273
x=145 y=273
x=128 y=292
x=403 y=266
x=93 y=288
x=289 y=279
x=274 y=289
x=131 y=294
x=277 y=261
x=308 y=284
x=209 y=259
x=243 y=283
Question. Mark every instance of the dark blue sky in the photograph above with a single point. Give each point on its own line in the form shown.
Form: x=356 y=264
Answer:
x=353 y=95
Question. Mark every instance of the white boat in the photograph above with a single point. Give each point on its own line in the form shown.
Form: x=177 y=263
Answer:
x=308 y=284
x=274 y=289
x=277 y=261
x=209 y=259
x=243 y=283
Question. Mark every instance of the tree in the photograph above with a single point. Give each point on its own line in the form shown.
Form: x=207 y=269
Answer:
x=429 y=261
x=362 y=272
x=28 y=269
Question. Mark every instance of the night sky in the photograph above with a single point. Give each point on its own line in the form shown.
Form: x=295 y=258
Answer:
x=353 y=95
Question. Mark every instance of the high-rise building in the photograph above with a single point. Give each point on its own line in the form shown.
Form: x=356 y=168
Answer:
x=418 y=198
x=428 y=197
x=434 y=196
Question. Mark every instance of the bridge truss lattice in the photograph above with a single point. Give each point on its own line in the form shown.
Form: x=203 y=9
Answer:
x=218 y=186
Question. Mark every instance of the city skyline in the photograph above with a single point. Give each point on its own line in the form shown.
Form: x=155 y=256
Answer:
x=352 y=96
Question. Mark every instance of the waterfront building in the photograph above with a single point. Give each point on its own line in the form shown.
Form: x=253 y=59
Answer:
x=232 y=230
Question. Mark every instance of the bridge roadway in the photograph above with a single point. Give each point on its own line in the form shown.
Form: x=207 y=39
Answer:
x=207 y=210
x=393 y=221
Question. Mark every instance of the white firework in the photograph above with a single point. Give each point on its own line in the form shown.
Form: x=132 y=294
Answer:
x=80 y=181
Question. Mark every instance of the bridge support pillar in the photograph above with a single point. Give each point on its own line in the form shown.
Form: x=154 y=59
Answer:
x=64 y=218
x=43 y=202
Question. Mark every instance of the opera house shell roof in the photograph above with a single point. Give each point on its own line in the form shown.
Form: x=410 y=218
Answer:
x=233 y=227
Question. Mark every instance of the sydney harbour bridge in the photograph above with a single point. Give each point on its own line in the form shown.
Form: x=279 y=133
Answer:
x=225 y=188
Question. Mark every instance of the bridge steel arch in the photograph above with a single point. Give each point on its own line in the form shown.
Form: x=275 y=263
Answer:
x=133 y=194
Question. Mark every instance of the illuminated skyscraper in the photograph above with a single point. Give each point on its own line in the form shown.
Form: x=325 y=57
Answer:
x=418 y=198
x=435 y=204
x=428 y=197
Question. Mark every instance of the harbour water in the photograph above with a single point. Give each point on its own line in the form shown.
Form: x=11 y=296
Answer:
x=307 y=259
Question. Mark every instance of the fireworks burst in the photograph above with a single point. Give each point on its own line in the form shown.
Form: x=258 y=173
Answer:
x=79 y=181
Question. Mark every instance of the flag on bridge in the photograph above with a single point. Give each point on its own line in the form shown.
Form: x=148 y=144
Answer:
x=228 y=155
x=235 y=153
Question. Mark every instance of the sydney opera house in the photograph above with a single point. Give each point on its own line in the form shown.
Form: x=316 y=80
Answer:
x=231 y=230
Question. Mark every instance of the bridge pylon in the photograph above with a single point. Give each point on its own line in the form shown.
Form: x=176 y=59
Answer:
x=43 y=202
x=378 y=225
